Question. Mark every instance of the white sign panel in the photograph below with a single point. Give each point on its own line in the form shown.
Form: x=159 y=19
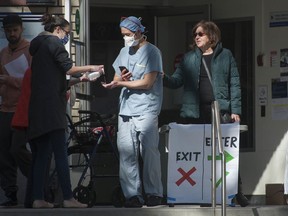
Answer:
x=189 y=163
x=278 y=18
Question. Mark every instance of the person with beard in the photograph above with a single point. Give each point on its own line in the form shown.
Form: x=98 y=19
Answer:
x=14 y=61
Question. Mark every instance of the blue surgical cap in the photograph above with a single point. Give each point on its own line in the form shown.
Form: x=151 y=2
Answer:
x=132 y=23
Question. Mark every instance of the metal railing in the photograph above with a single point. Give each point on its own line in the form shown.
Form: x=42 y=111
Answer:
x=216 y=133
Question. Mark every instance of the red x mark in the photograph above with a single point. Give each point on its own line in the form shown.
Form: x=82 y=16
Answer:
x=186 y=176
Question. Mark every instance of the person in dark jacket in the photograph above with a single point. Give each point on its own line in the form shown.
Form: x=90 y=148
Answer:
x=14 y=60
x=47 y=107
x=191 y=73
x=219 y=81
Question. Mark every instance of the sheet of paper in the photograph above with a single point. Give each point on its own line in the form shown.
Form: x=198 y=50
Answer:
x=17 y=67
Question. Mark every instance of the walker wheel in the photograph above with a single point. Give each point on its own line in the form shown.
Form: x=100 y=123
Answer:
x=85 y=195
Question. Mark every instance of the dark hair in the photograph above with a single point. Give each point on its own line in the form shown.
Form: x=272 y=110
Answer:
x=50 y=22
x=12 y=20
x=210 y=29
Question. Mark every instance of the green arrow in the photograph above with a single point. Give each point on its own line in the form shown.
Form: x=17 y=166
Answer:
x=220 y=180
x=228 y=157
x=218 y=157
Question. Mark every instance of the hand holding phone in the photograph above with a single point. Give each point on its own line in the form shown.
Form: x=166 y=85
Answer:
x=122 y=68
x=125 y=74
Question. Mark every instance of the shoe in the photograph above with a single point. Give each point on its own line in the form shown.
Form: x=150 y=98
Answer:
x=73 y=203
x=133 y=202
x=206 y=205
x=242 y=200
x=154 y=200
x=42 y=204
x=11 y=199
x=9 y=203
x=28 y=205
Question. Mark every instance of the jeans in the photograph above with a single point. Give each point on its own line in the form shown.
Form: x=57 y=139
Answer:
x=42 y=147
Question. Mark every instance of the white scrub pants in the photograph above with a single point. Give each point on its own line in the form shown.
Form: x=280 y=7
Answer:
x=139 y=135
x=286 y=174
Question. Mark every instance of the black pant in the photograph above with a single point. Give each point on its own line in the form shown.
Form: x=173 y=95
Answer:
x=13 y=154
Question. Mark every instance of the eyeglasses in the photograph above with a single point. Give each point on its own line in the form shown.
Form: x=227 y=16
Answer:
x=66 y=32
x=200 y=34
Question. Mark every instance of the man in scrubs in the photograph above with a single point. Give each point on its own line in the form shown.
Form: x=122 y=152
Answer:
x=138 y=69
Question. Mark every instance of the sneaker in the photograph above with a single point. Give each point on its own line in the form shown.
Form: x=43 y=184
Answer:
x=154 y=200
x=133 y=202
x=42 y=204
x=9 y=203
x=242 y=200
x=206 y=205
x=28 y=205
x=73 y=203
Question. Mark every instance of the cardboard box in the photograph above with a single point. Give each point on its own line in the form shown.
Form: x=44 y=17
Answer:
x=275 y=194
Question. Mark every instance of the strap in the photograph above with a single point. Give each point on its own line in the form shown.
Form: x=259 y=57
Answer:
x=207 y=70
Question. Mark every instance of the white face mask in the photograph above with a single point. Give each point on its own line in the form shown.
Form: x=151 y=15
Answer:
x=130 y=40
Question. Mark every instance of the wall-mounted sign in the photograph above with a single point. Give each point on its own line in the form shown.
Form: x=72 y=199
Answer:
x=262 y=95
x=279 y=88
x=77 y=21
x=278 y=19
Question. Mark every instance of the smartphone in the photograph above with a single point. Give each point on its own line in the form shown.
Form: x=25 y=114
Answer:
x=122 y=68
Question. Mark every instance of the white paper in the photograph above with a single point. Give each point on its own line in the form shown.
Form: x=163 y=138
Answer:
x=17 y=67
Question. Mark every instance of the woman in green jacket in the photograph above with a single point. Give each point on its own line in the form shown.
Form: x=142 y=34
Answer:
x=199 y=93
x=191 y=73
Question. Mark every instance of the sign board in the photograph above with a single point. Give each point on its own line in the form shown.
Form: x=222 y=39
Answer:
x=77 y=21
x=189 y=163
x=279 y=19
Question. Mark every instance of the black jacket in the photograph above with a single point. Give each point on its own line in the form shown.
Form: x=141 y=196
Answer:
x=50 y=62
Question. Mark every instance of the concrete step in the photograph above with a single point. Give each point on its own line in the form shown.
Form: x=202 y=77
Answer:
x=164 y=210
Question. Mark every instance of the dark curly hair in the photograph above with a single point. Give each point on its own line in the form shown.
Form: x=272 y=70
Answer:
x=50 y=22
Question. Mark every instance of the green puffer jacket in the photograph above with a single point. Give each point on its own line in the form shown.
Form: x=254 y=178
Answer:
x=225 y=78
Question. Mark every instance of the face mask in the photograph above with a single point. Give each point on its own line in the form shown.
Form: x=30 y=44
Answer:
x=65 y=39
x=130 y=40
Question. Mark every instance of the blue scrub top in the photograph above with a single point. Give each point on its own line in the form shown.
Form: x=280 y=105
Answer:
x=135 y=102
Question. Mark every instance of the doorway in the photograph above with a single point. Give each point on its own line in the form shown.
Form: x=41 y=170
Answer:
x=237 y=36
x=161 y=25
